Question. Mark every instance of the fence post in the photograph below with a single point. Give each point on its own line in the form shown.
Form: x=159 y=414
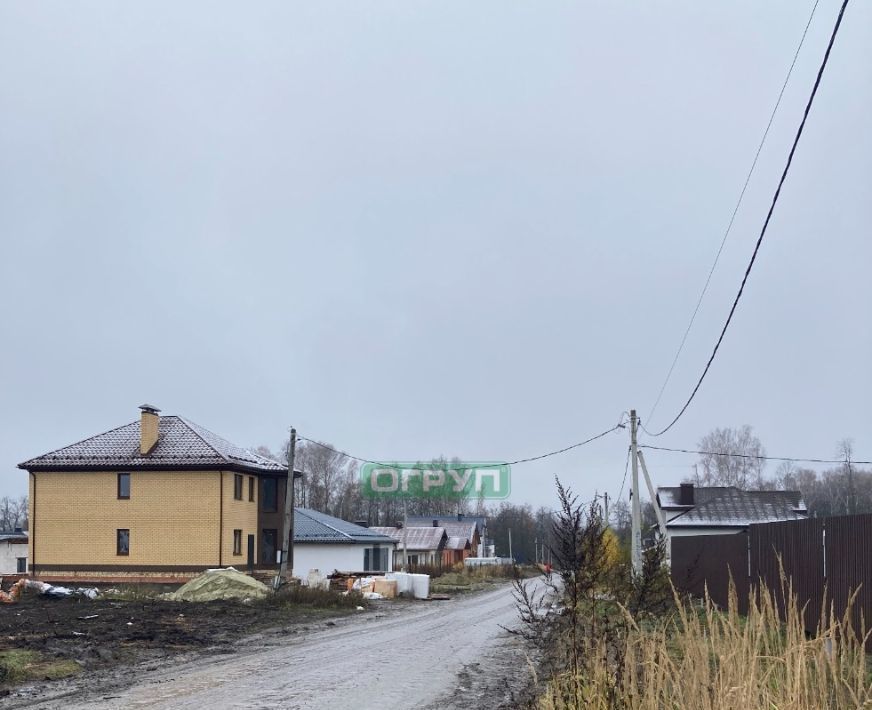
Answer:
x=749 y=555
x=824 y=543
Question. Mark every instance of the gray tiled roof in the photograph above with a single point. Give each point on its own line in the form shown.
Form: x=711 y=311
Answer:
x=737 y=508
x=312 y=526
x=415 y=538
x=181 y=444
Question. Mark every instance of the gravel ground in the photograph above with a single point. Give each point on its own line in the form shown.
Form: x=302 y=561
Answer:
x=439 y=654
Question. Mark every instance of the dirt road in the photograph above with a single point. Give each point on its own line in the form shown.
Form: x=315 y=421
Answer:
x=441 y=654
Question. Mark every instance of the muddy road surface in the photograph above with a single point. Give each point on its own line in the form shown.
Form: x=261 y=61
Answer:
x=438 y=654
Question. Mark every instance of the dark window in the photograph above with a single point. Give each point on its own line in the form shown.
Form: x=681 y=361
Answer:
x=269 y=494
x=237 y=486
x=237 y=542
x=268 y=541
x=124 y=485
x=122 y=542
x=22 y=565
x=251 y=488
x=375 y=559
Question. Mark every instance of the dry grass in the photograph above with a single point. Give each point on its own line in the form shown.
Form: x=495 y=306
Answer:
x=708 y=659
x=309 y=597
x=20 y=665
x=473 y=579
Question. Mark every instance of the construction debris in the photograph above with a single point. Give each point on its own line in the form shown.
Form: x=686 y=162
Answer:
x=386 y=587
x=215 y=584
x=14 y=594
x=411 y=585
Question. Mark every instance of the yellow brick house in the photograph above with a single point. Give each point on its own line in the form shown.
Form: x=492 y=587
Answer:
x=159 y=498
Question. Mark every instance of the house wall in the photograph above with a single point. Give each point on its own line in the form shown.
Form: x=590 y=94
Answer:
x=424 y=557
x=332 y=557
x=9 y=554
x=173 y=518
x=238 y=515
x=695 y=532
x=274 y=520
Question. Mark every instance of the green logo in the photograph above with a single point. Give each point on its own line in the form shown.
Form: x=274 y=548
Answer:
x=448 y=481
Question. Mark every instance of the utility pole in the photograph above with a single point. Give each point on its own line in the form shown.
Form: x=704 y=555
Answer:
x=405 y=533
x=661 y=521
x=636 y=539
x=510 y=544
x=287 y=568
x=606 y=495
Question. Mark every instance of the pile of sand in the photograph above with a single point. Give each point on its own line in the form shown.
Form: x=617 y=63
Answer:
x=220 y=584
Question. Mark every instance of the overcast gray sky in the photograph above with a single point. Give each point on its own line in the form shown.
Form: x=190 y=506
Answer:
x=423 y=228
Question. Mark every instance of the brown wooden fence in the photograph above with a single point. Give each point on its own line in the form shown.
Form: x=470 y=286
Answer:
x=824 y=559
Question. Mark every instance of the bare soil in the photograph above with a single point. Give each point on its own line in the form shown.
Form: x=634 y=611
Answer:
x=396 y=654
x=100 y=634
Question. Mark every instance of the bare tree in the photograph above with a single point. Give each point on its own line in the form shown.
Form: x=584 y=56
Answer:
x=846 y=450
x=730 y=459
x=13 y=513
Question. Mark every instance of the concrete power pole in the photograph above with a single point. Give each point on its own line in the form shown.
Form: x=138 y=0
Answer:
x=287 y=567
x=636 y=539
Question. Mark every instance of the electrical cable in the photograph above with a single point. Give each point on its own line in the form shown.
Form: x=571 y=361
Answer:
x=749 y=456
x=424 y=467
x=735 y=212
x=626 y=468
x=765 y=223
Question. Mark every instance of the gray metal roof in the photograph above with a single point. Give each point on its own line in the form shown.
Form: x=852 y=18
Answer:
x=312 y=526
x=181 y=444
x=456 y=543
x=464 y=528
x=738 y=508
x=14 y=537
x=668 y=496
x=417 y=538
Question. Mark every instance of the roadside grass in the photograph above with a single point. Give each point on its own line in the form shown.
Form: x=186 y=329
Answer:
x=18 y=666
x=461 y=580
x=706 y=658
x=299 y=596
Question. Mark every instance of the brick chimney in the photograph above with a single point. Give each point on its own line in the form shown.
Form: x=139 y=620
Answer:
x=686 y=496
x=148 y=428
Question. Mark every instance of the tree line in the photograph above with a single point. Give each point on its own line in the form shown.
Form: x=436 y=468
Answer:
x=841 y=489
x=331 y=484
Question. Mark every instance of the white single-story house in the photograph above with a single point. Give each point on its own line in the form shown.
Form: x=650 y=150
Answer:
x=723 y=510
x=13 y=552
x=328 y=544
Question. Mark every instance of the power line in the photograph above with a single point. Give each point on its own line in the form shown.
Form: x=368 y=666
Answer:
x=765 y=223
x=423 y=467
x=735 y=212
x=626 y=467
x=749 y=456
